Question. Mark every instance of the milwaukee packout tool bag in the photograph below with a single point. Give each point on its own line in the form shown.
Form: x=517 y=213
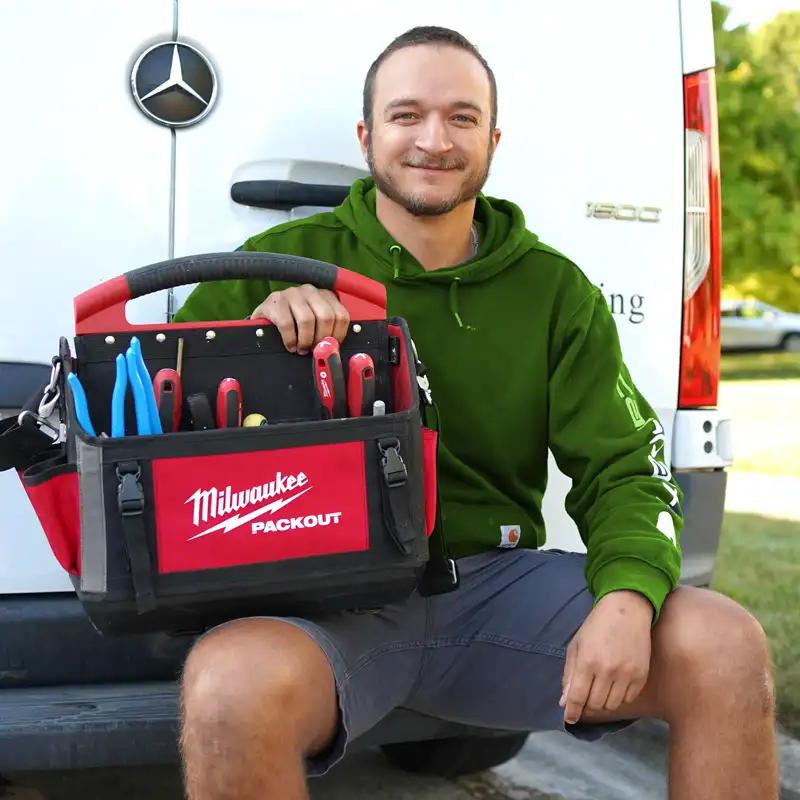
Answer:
x=187 y=474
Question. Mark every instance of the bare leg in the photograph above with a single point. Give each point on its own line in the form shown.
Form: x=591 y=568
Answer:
x=257 y=696
x=711 y=680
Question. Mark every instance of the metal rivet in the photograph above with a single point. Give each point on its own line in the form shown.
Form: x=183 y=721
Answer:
x=259 y=332
x=110 y=340
x=356 y=328
x=210 y=334
x=161 y=337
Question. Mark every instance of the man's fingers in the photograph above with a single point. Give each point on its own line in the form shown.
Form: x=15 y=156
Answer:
x=276 y=309
x=578 y=693
x=321 y=305
x=304 y=320
x=601 y=688
x=342 y=319
x=635 y=689
x=616 y=695
x=569 y=669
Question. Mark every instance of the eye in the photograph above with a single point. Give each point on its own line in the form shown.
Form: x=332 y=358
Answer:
x=403 y=115
x=464 y=118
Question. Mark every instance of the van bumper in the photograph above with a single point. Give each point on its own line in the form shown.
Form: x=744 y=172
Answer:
x=703 y=510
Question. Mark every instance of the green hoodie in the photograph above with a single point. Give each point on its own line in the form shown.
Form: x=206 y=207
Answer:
x=522 y=355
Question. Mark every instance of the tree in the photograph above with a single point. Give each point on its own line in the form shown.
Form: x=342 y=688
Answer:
x=758 y=89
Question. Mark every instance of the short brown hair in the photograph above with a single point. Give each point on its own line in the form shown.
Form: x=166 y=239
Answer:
x=425 y=34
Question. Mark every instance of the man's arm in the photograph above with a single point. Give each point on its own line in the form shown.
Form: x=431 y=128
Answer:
x=606 y=437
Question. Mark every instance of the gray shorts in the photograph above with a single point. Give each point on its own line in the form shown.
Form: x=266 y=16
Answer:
x=490 y=654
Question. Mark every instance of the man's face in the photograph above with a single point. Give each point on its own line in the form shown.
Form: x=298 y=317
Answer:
x=430 y=147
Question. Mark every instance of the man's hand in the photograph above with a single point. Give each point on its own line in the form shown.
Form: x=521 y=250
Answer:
x=608 y=659
x=304 y=315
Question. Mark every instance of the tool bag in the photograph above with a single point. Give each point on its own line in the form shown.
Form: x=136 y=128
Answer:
x=180 y=530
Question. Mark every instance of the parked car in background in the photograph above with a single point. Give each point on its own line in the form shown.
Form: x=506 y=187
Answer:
x=753 y=325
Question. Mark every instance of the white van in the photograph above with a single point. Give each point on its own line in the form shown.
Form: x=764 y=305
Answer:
x=140 y=131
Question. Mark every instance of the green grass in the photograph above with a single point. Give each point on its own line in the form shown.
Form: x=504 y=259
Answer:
x=759 y=366
x=758 y=565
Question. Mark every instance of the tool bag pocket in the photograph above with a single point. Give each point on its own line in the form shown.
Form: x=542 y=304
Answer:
x=184 y=529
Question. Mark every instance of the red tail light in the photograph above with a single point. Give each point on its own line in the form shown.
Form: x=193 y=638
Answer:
x=702 y=271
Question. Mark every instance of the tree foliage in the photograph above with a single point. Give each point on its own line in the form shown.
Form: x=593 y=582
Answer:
x=758 y=89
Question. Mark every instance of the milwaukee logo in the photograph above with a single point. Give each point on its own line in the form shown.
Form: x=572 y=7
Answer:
x=214 y=503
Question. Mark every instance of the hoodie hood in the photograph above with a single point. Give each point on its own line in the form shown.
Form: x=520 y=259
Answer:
x=501 y=226
x=501 y=229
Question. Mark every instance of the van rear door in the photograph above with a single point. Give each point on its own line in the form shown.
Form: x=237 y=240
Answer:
x=593 y=144
x=85 y=196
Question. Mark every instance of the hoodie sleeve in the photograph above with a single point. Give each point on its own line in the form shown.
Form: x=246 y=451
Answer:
x=606 y=437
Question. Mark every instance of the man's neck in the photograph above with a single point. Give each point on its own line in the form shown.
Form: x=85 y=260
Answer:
x=435 y=242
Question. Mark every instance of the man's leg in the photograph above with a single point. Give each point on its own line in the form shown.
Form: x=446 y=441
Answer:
x=497 y=659
x=710 y=679
x=257 y=696
x=268 y=702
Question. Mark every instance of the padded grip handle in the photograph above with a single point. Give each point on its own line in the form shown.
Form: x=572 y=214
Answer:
x=102 y=308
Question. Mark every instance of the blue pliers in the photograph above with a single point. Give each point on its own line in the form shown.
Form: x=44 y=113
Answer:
x=130 y=369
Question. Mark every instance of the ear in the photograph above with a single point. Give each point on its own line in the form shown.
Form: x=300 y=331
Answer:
x=363 y=137
x=496 y=139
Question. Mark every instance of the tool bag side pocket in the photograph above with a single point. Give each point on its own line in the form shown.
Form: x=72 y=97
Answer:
x=51 y=484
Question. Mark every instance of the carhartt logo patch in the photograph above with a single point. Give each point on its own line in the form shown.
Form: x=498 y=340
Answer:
x=509 y=535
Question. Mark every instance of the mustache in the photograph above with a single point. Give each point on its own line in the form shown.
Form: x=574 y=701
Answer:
x=427 y=163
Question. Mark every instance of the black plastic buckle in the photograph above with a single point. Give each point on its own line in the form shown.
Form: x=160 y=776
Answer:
x=130 y=495
x=394 y=468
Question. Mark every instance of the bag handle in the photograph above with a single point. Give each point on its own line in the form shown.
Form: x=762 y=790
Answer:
x=101 y=309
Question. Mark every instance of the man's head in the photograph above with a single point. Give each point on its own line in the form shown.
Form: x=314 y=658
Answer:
x=430 y=121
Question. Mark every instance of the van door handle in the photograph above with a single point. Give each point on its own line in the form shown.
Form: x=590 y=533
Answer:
x=287 y=195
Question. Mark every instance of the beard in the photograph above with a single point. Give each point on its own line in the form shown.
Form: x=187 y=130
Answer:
x=414 y=202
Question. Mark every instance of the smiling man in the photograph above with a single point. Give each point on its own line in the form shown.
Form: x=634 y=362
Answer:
x=532 y=640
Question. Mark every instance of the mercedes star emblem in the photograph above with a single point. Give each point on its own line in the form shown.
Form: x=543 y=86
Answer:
x=174 y=84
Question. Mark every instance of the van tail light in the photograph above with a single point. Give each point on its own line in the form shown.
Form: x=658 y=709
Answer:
x=702 y=269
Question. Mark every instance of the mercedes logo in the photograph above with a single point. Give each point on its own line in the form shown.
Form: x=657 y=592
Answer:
x=174 y=84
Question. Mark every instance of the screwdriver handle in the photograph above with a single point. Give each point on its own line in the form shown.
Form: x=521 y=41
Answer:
x=329 y=378
x=360 y=385
x=229 y=403
x=168 y=390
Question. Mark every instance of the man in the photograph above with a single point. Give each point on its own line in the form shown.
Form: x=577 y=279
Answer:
x=531 y=640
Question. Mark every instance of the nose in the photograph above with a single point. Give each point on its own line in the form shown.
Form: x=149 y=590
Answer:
x=433 y=136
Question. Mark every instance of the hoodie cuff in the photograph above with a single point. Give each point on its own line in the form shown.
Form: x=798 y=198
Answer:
x=633 y=575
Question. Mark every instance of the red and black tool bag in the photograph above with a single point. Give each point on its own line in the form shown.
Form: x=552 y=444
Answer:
x=182 y=530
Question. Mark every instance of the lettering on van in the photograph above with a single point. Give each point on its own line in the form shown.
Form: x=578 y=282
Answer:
x=623 y=212
x=621 y=305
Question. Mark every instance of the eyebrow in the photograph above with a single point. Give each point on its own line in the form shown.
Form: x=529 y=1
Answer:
x=410 y=101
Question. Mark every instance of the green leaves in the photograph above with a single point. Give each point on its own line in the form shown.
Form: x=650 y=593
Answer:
x=758 y=88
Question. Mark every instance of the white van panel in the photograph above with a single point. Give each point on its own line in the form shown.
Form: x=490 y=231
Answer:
x=591 y=113
x=84 y=196
x=697 y=35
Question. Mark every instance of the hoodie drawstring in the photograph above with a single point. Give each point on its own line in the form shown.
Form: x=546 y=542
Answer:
x=395 y=250
x=454 y=304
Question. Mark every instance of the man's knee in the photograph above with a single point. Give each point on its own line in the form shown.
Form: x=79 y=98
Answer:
x=257 y=678
x=712 y=648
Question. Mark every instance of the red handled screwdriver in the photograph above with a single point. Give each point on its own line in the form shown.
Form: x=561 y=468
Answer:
x=168 y=391
x=229 y=403
x=329 y=378
x=360 y=385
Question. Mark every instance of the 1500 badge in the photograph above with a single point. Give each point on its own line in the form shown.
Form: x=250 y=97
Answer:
x=626 y=213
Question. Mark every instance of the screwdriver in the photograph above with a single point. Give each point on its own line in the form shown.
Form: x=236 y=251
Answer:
x=229 y=403
x=168 y=391
x=329 y=378
x=360 y=385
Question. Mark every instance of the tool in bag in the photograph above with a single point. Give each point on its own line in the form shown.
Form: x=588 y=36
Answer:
x=195 y=510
